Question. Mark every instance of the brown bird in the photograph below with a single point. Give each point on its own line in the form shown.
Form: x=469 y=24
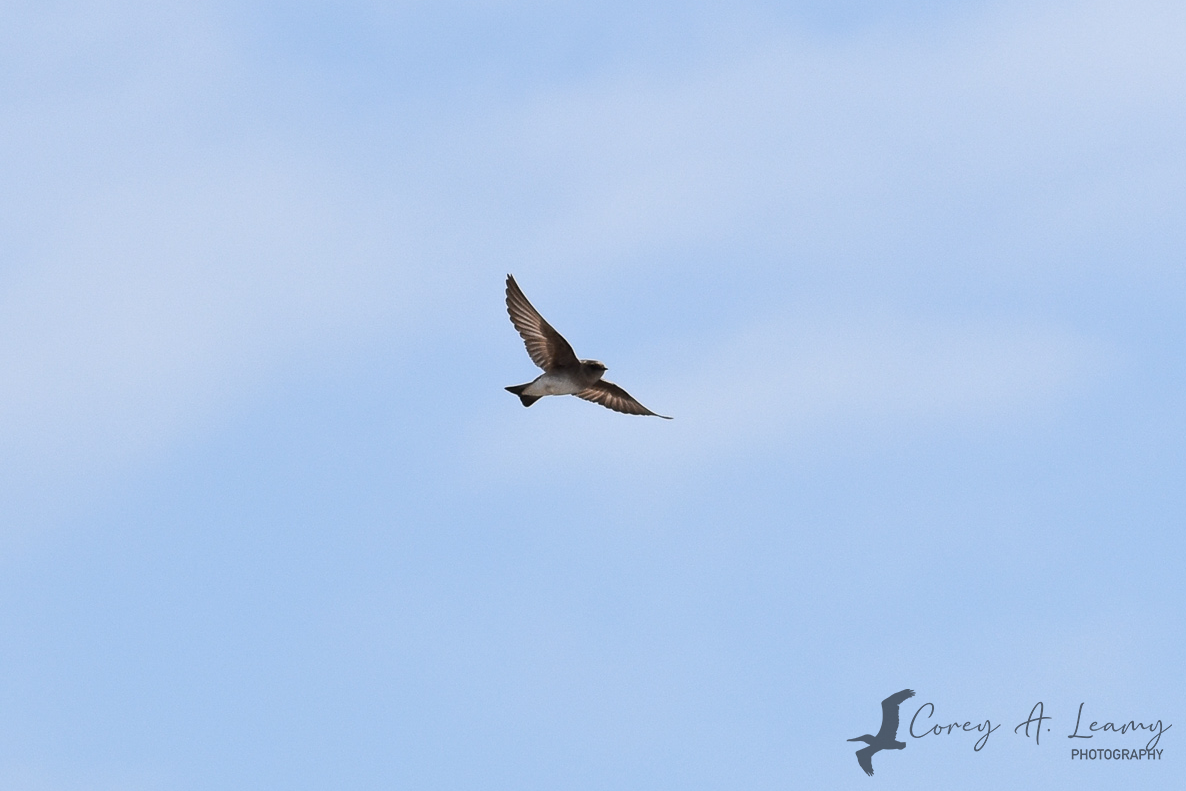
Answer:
x=563 y=373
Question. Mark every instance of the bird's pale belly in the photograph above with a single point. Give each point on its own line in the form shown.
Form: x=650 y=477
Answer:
x=553 y=384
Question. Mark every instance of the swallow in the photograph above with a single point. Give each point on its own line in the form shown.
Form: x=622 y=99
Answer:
x=563 y=373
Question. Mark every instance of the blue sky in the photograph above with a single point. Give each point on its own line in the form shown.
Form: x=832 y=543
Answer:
x=909 y=276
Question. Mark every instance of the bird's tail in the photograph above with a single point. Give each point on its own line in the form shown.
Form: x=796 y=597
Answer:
x=527 y=400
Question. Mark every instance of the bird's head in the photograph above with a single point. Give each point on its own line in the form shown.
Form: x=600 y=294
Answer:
x=596 y=366
x=867 y=739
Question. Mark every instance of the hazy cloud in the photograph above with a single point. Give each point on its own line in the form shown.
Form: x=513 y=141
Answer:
x=176 y=236
x=809 y=387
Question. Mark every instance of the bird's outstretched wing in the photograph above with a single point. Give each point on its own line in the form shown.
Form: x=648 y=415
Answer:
x=865 y=759
x=610 y=395
x=546 y=347
x=889 y=714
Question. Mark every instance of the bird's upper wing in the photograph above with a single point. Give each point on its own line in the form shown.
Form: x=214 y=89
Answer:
x=610 y=395
x=889 y=713
x=865 y=759
x=546 y=347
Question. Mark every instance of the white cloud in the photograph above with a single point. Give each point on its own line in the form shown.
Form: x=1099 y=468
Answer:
x=1020 y=134
x=176 y=238
x=806 y=388
x=874 y=375
x=163 y=270
x=158 y=304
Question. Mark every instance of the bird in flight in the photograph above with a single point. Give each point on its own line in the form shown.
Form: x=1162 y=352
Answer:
x=563 y=373
x=886 y=738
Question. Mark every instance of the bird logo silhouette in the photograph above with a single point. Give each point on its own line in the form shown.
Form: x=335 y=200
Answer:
x=887 y=737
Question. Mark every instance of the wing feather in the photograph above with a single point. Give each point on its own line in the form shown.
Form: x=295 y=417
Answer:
x=546 y=347
x=889 y=713
x=865 y=759
x=610 y=395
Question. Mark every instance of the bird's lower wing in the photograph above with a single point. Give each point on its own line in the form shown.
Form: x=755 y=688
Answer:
x=610 y=395
x=865 y=759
